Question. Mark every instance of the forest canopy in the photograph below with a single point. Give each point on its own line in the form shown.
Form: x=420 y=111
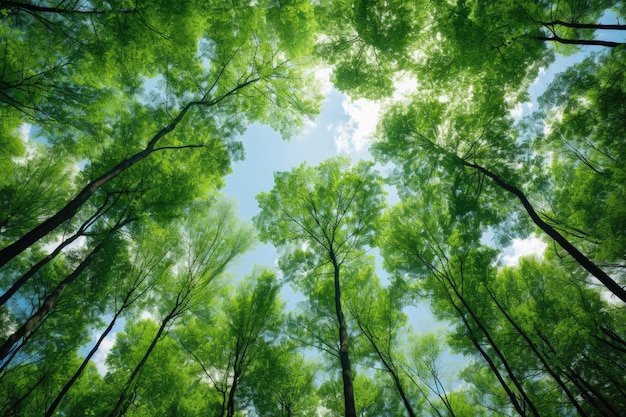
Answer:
x=120 y=120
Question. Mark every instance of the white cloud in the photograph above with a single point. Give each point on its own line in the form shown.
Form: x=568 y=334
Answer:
x=24 y=131
x=517 y=111
x=24 y=134
x=520 y=109
x=322 y=77
x=78 y=244
x=404 y=85
x=100 y=357
x=148 y=315
x=523 y=247
x=353 y=135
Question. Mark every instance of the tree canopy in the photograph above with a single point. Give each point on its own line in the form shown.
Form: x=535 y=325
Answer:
x=120 y=292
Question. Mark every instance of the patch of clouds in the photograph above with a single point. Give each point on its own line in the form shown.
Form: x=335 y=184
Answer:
x=521 y=109
x=100 y=357
x=78 y=244
x=404 y=86
x=31 y=149
x=24 y=132
x=532 y=245
x=354 y=135
x=145 y=314
x=322 y=75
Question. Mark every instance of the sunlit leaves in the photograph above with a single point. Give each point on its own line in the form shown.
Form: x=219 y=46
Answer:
x=313 y=211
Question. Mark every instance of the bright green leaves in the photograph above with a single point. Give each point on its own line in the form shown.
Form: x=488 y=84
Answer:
x=327 y=216
x=329 y=208
x=584 y=133
x=296 y=25
x=192 y=100
x=387 y=25
x=232 y=343
x=366 y=42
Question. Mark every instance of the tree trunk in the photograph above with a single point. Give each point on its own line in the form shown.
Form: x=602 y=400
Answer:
x=67 y=212
x=231 y=396
x=391 y=370
x=31 y=8
x=344 y=356
x=80 y=232
x=51 y=299
x=598 y=26
x=121 y=404
x=492 y=365
x=539 y=356
x=580 y=42
x=585 y=262
x=85 y=362
x=496 y=349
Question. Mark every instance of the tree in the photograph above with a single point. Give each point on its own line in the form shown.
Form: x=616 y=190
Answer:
x=378 y=315
x=163 y=383
x=228 y=345
x=211 y=239
x=445 y=260
x=283 y=383
x=486 y=145
x=585 y=132
x=321 y=219
x=149 y=262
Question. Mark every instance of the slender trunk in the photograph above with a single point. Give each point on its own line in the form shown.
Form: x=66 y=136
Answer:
x=67 y=212
x=539 y=356
x=121 y=405
x=580 y=42
x=497 y=351
x=446 y=282
x=9 y=409
x=585 y=262
x=231 y=396
x=51 y=299
x=344 y=356
x=57 y=10
x=591 y=395
x=33 y=270
x=599 y=26
x=83 y=365
x=70 y=208
x=390 y=369
x=487 y=358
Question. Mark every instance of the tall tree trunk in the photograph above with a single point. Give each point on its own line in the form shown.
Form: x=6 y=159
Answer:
x=344 y=356
x=231 y=395
x=33 y=8
x=82 y=367
x=67 y=212
x=122 y=402
x=492 y=365
x=594 y=398
x=452 y=292
x=598 y=26
x=585 y=262
x=580 y=42
x=495 y=348
x=539 y=356
x=392 y=371
x=51 y=299
x=80 y=232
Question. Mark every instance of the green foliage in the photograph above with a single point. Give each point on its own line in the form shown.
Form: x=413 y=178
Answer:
x=140 y=106
x=585 y=136
x=315 y=210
